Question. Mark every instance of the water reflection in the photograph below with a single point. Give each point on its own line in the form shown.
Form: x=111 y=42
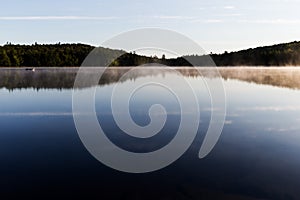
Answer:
x=287 y=77
x=63 y=78
x=257 y=156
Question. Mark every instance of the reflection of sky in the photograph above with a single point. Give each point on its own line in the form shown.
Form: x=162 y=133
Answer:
x=244 y=100
x=248 y=101
x=28 y=100
x=270 y=108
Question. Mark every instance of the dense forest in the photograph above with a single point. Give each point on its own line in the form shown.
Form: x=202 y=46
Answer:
x=47 y=55
x=59 y=55
x=287 y=54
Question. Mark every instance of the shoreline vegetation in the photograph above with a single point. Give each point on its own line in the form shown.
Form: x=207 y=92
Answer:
x=72 y=55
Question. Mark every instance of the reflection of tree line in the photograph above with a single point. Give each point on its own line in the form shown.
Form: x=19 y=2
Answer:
x=280 y=77
x=59 y=78
x=16 y=79
x=63 y=78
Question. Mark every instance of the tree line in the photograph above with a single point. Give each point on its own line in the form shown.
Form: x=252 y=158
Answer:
x=64 y=55
x=287 y=54
x=47 y=55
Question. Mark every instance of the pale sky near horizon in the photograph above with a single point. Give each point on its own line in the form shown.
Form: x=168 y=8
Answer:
x=216 y=25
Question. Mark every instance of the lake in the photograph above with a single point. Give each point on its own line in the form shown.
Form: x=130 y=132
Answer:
x=256 y=156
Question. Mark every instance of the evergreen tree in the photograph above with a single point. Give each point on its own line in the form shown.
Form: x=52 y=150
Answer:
x=4 y=59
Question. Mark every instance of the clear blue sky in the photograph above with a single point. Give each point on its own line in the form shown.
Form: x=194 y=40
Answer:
x=217 y=25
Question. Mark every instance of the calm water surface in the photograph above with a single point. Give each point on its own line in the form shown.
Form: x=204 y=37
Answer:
x=257 y=156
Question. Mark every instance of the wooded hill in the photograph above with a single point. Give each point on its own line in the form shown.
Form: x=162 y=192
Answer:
x=64 y=55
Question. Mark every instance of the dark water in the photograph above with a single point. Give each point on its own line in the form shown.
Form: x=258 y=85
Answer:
x=256 y=157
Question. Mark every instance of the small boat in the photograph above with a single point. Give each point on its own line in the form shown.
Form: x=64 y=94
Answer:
x=30 y=69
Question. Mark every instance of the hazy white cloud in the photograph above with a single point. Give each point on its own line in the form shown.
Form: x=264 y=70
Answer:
x=212 y=21
x=55 y=18
x=173 y=17
x=229 y=15
x=207 y=21
x=229 y=7
x=186 y=18
x=272 y=21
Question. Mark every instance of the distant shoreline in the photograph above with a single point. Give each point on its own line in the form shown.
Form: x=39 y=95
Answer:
x=70 y=55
